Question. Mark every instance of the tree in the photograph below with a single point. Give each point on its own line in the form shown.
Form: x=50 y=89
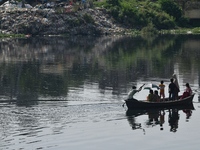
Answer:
x=171 y=8
x=113 y=2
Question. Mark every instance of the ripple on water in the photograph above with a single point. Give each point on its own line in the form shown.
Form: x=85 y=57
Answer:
x=33 y=126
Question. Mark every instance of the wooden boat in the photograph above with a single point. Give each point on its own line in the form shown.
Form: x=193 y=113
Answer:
x=142 y=111
x=143 y=104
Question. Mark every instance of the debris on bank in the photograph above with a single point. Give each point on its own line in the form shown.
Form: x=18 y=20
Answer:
x=56 y=19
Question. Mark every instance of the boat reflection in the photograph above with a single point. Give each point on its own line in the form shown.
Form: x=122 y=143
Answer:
x=131 y=117
x=173 y=119
x=188 y=113
x=162 y=119
x=156 y=117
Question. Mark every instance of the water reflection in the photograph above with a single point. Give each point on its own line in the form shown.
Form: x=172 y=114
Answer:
x=162 y=118
x=173 y=119
x=91 y=76
x=188 y=113
x=157 y=118
x=48 y=67
x=131 y=117
x=152 y=117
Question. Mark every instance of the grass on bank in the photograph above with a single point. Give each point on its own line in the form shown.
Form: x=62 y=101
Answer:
x=182 y=31
x=11 y=35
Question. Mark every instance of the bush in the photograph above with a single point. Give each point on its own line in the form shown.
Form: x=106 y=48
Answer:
x=183 y=22
x=163 y=21
x=149 y=29
x=88 y=18
x=139 y=14
x=101 y=4
x=172 y=8
x=113 y=2
x=114 y=11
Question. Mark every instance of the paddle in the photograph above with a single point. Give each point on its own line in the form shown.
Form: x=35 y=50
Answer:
x=141 y=87
x=137 y=91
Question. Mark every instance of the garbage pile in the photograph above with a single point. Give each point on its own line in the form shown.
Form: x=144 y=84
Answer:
x=51 y=19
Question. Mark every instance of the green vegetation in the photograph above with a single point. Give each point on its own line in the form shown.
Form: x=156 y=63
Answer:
x=88 y=18
x=139 y=16
x=11 y=35
x=182 y=31
x=147 y=14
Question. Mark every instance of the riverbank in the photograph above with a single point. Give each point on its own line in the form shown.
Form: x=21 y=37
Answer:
x=67 y=20
x=35 y=21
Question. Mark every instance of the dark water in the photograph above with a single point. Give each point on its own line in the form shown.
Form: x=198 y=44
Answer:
x=67 y=93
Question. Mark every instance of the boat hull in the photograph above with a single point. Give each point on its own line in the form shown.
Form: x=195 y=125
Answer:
x=138 y=104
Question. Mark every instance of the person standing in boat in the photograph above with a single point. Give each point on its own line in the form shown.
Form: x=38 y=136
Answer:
x=162 y=90
x=177 y=89
x=173 y=90
x=132 y=92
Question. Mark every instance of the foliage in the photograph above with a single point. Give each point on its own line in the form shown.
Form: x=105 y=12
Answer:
x=113 y=2
x=171 y=8
x=163 y=21
x=139 y=14
x=196 y=30
x=11 y=35
x=183 y=22
x=150 y=29
x=88 y=18
x=182 y=31
x=100 y=4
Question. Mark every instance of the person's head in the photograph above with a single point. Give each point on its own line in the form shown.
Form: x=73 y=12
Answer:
x=156 y=92
x=187 y=85
x=151 y=91
x=161 y=128
x=133 y=87
x=171 y=80
x=161 y=82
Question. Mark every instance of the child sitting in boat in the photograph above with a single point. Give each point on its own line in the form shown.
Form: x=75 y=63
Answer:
x=150 y=96
x=157 y=97
x=153 y=96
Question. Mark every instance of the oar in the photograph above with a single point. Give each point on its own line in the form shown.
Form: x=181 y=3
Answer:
x=137 y=91
x=141 y=87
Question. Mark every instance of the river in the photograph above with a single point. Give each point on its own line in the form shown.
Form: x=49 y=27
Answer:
x=67 y=92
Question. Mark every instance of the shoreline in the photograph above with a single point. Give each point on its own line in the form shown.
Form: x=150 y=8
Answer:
x=49 y=22
x=26 y=22
x=184 y=31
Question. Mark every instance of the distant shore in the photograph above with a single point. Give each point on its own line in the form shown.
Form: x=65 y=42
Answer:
x=44 y=22
x=32 y=21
